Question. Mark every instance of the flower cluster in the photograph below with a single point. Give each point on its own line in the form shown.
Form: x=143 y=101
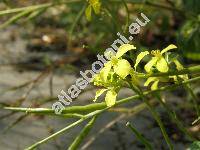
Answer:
x=118 y=70
x=111 y=77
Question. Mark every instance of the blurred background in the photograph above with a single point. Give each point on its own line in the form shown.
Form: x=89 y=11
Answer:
x=45 y=45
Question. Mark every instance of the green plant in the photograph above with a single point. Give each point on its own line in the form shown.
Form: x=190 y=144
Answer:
x=116 y=74
x=163 y=70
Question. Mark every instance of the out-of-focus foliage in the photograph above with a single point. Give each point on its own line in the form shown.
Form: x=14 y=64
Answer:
x=195 y=145
x=189 y=34
x=189 y=37
x=172 y=21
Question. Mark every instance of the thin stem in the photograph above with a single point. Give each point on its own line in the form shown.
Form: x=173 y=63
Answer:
x=66 y=128
x=154 y=113
x=174 y=117
x=15 y=18
x=80 y=14
x=99 y=112
x=133 y=111
x=190 y=70
x=128 y=16
x=194 y=99
x=35 y=7
x=76 y=143
x=152 y=5
x=113 y=18
x=139 y=136
x=96 y=106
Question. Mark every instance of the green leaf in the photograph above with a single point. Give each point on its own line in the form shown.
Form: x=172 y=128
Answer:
x=150 y=64
x=110 y=98
x=123 y=49
x=195 y=146
x=155 y=85
x=149 y=80
x=139 y=58
x=171 y=46
x=99 y=93
x=162 y=65
x=88 y=13
x=122 y=68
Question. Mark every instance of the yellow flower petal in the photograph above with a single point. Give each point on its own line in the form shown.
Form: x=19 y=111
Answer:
x=123 y=49
x=150 y=64
x=96 y=5
x=105 y=71
x=149 y=80
x=110 y=98
x=99 y=93
x=139 y=58
x=155 y=85
x=134 y=78
x=122 y=68
x=179 y=66
x=88 y=13
x=162 y=65
x=171 y=46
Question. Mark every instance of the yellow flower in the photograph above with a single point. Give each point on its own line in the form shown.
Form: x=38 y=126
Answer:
x=95 y=5
x=157 y=60
x=107 y=77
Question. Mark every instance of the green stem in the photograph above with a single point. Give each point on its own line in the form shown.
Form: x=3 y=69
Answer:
x=15 y=18
x=148 y=3
x=194 y=99
x=80 y=14
x=66 y=128
x=35 y=7
x=128 y=16
x=154 y=113
x=76 y=143
x=140 y=137
x=113 y=18
x=101 y=111
x=190 y=70
x=96 y=106
x=174 y=117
